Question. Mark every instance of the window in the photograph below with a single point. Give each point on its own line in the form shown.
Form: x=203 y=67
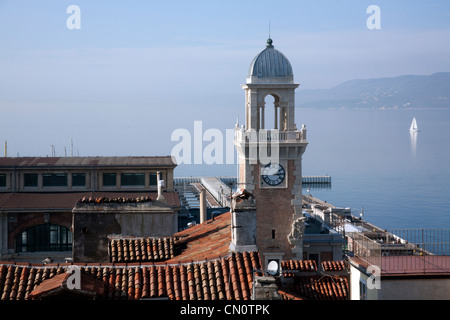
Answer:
x=78 y=179
x=315 y=257
x=133 y=179
x=362 y=291
x=153 y=179
x=30 y=179
x=54 y=179
x=44 y=237
x=2 y=180
x=109 y=179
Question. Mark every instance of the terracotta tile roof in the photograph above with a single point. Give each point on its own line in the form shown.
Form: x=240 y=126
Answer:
x=288 y=296
x=226 y=278
x=17 y=281
x=316 y=288
x=291 y=266
x=204 y=269
x=119 y=199
x=67 y=200
x=306 y=281
x=142 y=249
x=221 y=279
x=88 y=285
x=330 y=266
x=205 y=241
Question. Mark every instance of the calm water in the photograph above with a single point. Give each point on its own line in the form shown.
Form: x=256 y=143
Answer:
x=401 y=181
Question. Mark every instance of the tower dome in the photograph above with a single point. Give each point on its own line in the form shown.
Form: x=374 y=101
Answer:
x=269 y=66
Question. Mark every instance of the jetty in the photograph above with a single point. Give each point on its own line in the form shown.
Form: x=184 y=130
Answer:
x=326 y=179
x=316 y=179
x=219 y=189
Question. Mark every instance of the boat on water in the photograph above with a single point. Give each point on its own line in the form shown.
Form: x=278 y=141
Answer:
x=414 y=127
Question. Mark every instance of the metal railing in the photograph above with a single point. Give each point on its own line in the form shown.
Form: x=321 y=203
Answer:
x=365 y=248
x=427 y=241
x=404 y=250
x=269 y=135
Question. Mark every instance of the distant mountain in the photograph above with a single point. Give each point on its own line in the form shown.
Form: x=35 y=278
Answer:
x=410 y=91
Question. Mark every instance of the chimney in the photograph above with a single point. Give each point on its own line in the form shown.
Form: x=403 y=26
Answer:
x=161 y=197
x=6 y=148
x=243 y=220
x=202 y=206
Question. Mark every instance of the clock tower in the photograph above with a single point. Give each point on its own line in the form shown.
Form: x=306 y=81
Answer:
x=270 y=156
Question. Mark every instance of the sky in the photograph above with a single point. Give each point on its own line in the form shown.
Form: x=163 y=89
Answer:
x=135 y=71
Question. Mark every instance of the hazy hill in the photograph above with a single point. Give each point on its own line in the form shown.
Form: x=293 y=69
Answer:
x=408 y=91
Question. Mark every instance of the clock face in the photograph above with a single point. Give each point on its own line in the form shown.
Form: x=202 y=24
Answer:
x=273 y=174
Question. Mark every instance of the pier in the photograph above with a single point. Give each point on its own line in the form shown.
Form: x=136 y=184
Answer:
x=316 y=179
x=326 y=179
x=219 y=189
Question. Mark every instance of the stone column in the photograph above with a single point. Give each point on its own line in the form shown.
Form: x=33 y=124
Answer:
x=262 y=123
x=276 y=116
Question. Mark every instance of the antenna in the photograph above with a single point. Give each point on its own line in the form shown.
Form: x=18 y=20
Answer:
x=269 y=28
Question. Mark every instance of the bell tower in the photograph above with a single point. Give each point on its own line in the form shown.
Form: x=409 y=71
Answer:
x=270 y=149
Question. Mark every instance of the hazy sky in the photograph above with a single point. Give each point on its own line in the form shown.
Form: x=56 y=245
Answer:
x=138 y=70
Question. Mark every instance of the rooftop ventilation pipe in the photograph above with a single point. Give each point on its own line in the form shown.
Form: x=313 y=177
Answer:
x=202 y=206
x=160 y=185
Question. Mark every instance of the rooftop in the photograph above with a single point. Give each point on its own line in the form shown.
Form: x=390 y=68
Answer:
x=228 y=278
x=18 y=201
x=163 y=161
x=201 y=268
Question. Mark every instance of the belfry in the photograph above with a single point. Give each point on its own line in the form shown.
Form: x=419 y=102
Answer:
x=270 y=159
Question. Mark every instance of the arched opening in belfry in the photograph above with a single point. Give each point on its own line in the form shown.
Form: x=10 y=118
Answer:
x=270 y=113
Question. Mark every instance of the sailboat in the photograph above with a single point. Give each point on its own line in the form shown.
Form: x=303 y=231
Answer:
x=413 y=127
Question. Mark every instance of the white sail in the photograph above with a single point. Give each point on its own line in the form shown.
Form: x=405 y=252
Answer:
x=413 y=127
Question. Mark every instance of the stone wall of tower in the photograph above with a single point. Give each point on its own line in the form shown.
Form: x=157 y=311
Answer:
x=274 y=215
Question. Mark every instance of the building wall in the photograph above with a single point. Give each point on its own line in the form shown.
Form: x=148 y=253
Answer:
x=356 y=278
x=3 y=234
x=412 y=287
x=15 y=169
x=415 y=289
x=93 y=224
x=15 y=181
x=324 y=247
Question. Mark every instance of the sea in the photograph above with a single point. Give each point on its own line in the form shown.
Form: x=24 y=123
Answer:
x=394 y=178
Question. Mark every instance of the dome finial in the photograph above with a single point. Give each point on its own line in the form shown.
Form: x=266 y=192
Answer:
x=269 y=41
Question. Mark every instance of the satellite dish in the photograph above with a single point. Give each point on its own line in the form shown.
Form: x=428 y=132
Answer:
x=272 y=268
